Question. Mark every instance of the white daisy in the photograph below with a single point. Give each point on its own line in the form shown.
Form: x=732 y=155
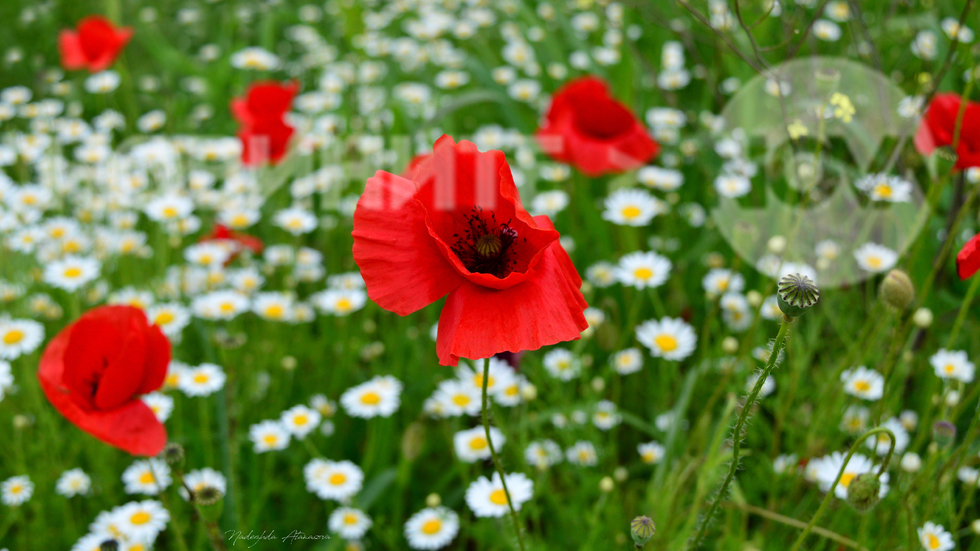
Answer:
x=605 y=416
x=732 y=186
x=651 y=452
x=458 y=398
x=601 y=274
x=161 y=405
x=864 y=383
x=200 y=479
x=340 y=302
x=663 y=179
x=486 y=498
x=379 y=396
x=71 y=272
x=881 y=442
x=350 y=523
x=169 y=208
x=632 y=207
x=627 y=361
x=203 y=380
x=471 y=445
x=643 y=269
x=582 y=453
x=543 y=453
x=170 y=317
x=431 y=528
x=667 y=338
x=141 y=521
x=549 y=203
x=934 y=537
x=273 y=306
x=19 y=337
x=16 y=490
x=336 y=480
x=875 y=258
x=147 y=476
x=268 y=435
x=295 y=220
x=952 y=364
x=208 y=254
x=883 y=187
x=300 y=420
x=719 y=281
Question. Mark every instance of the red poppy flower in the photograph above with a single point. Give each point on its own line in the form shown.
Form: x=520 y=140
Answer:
x=94 y=44
x=968 y=259
x=938 y=128
x=236 y=240
x=94 y=370
x=413 y=164
x=458 y=228
x=264 y=134
x=588 y=128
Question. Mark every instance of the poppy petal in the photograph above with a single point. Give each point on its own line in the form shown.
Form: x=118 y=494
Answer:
x=478 y=322
x=401 y=266
x=968 y=259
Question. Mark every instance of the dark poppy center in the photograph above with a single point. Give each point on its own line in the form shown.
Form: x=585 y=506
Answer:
x=486 y=246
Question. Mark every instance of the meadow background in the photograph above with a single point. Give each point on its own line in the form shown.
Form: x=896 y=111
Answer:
x=359 y=54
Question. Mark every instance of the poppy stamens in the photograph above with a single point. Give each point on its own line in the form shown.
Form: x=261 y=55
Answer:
x=486 y=247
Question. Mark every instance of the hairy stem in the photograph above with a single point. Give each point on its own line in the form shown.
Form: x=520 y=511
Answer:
x=493 y=453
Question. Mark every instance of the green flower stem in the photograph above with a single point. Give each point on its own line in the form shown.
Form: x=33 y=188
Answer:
x=964 y=308
x=830 y=492
x=739 y=427
x=493 y=453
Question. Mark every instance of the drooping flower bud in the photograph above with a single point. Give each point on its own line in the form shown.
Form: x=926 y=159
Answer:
x=796 y=294
x=863 y=493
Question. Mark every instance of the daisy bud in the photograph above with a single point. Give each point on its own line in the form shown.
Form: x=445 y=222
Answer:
x=911 y=462
x=975 y=526
x=922 y=318
x=729 y=345
x=952 y=399
x=621 y=474
x=433 y=500
x=173 y=454
x=289 y=363
x=607 y=484
x=529 y=392
x=897 y=290
x=642 y=529
x=109 y=545
x=598 y=384
x=863 y=492
x=943 y=432
x=22 y=421
x=776 y=244
x=755 y=298
x=796 y=294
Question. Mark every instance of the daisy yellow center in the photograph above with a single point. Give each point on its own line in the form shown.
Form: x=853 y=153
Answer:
x=648 y=456
x=295 y=223
x=723 y=283
x=883 y=191
x=478 y=380
x=511 y=390
x=239 y=220
x=461 y=399
x=201 y=378
x=949 y=368
x=846 y=478
x=163 y=318
x=583 y=455
x=16 y=489
x=337 y=479
x=498 y=497
x=72 y=246
x=343 y=304
x=146 y=478
x=350 y=518
x=57 y=232
x=270 y=439
x=169 y=212
x=73 y=272
x=478 y=443
x=227 y=307
x=874 y=262
x=300 y=420
x=667 y=343
x=643 y=273
x=630 y=212
x=205 y=259
x=275 y=311
x=13 y=336
x=140 y=518
x=933 y=541
x=370 y=398
x=432 y=527
x=862 y=386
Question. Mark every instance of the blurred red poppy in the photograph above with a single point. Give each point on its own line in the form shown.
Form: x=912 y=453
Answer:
x=458 y=228
x=589 y=129
x=236 y=240
x=968 y=259
x=94 y=371
x=263 y=132
x=938 y=129
x=94 y=44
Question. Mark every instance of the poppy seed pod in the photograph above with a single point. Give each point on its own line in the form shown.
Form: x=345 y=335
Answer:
x=897 y=290
x=642 y=529
x=863 y=493
x=796 y=294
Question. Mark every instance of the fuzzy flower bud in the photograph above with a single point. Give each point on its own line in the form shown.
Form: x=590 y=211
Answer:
x=796 y=294
x=173 y=454
x=863 y=492
x=897 y=290
x=944 y=433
